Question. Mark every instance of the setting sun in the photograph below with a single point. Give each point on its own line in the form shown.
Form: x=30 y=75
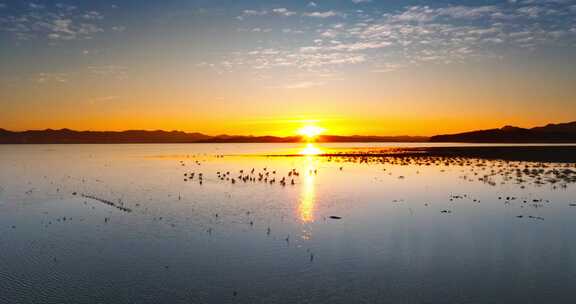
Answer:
x=310 y=131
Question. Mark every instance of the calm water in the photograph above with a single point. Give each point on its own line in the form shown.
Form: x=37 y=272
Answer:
x=128 y=224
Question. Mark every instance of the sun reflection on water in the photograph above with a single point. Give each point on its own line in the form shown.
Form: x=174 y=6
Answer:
x=311 y=149
x=308 y=193
x=307 y=198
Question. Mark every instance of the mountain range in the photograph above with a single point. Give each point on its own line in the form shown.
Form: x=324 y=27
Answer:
x=551 y=133
x=66 y=136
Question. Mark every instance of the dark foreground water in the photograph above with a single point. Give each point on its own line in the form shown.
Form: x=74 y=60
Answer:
x=137 y=224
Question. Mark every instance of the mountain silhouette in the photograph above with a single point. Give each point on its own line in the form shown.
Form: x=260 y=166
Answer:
x=67 y=136
x=551 y=133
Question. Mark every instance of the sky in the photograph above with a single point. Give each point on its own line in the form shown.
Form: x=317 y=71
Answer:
x=367 y=67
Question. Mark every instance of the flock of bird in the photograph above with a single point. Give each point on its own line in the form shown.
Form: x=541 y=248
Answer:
x=265 y=176
x=484 y=170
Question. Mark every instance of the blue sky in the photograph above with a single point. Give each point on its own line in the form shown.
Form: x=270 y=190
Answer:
x=235 y=34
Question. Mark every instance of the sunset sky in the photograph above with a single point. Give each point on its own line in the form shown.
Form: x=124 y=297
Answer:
x=378 y=67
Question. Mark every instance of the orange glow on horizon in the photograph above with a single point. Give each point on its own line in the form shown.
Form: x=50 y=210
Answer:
x=142 y=118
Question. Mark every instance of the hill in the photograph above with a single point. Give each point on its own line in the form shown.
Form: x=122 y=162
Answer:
x=66 y=136
x=551 y=133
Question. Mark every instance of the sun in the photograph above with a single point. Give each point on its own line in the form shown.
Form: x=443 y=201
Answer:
x=310 y=131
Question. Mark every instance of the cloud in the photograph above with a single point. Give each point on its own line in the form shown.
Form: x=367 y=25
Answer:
x=56 y=22
x=65 y=7
x=36 y=6
x=292 y=31
x=466 y=12
x=66 y=29
x=283 y=12
x=413 y=36
x=427 y=14
x=387 y=67
x=361 y=1
x=348 y=47
x=532 y=11
x=118 y=28
x=113 y=71
x=103 y=99
x=300 y=85
x=325 y=14
x=49 y=77
x=263 y=30
x=254 y=13
x=93 y=15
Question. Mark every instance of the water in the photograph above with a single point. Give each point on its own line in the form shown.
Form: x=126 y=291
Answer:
x=410 y=231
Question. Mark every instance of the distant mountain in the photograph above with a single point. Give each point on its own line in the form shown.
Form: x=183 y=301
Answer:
x=66 y=136
x=551 y=133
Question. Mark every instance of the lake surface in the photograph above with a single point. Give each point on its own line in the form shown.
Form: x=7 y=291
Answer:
x=137 y=224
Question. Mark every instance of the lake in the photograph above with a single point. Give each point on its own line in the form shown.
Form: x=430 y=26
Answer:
x=281 y=223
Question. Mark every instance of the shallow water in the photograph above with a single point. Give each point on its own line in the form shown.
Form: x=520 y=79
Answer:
x=123 y=224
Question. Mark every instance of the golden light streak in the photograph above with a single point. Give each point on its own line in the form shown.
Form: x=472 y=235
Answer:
x=307 y=199
x=307 y=204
